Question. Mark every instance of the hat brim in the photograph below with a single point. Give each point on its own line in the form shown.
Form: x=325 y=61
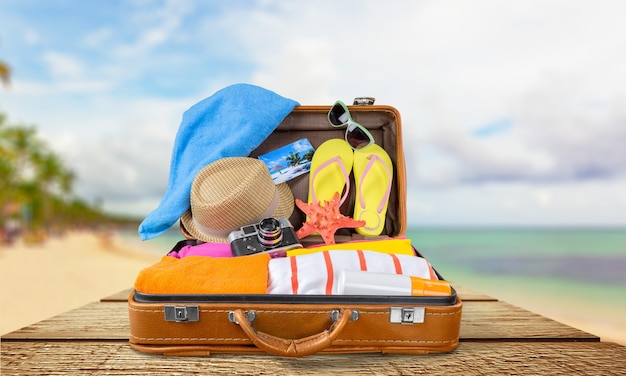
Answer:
x=284 y=209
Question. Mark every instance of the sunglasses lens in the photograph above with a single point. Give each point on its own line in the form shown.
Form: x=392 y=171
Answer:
x=338 y=115
x=357 y=137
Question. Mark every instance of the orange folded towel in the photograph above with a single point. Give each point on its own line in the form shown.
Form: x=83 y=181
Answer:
x=205 y=275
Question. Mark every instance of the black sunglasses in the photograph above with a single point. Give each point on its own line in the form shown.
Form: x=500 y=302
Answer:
x=357 y=136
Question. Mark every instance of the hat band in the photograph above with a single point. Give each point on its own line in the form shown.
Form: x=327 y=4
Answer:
x=218 y=233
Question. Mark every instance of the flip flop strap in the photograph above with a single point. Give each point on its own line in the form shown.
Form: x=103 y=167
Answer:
x=373 y=158
x=345 y=176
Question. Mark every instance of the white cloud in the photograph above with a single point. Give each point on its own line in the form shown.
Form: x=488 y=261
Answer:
x=63 y=66
x=97 y=38
x=131 y=161
x=305 y=69
x=156 y=26
x=589 y=203
x=31 y=37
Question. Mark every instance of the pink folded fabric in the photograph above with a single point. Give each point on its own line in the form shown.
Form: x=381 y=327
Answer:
x=205 y=275
x=204 y=249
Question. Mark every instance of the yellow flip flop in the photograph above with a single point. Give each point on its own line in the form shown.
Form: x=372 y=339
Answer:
x=373 y=175
x=330 y=171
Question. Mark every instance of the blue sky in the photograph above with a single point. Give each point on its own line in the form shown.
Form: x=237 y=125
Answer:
x=514 y=112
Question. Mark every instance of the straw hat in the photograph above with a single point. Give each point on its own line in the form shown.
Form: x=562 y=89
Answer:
x=230 y=193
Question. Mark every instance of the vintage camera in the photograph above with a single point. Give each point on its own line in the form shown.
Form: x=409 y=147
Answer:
x=272 y=235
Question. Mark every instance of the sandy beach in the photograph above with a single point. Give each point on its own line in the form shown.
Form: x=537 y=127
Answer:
x=82 y=267
x=64 y=273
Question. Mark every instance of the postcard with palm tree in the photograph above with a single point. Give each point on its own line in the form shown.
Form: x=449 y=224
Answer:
x=289 y=161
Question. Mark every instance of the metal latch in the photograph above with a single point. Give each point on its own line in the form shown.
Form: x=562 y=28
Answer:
x=363 y=101
x=402 y=315
x=334 y=315
x=250 y=315
x=182 y=313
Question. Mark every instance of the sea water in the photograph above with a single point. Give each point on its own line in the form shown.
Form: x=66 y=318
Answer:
x=580 y=260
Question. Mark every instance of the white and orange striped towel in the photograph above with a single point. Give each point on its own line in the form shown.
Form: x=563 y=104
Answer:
x=317 y=273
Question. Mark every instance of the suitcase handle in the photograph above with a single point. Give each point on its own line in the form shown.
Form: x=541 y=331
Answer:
x=293 y=347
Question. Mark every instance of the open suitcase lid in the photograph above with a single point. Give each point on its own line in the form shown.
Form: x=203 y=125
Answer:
x=311 y=122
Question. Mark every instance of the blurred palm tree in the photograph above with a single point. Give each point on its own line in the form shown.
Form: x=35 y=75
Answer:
x=31 y=174
x=5 y=73
x=17 y=148
x=53 y=178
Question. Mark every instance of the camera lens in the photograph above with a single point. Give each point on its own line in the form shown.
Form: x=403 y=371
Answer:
x=270 y=232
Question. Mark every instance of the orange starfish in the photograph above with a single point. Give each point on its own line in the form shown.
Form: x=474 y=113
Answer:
x=325 y=219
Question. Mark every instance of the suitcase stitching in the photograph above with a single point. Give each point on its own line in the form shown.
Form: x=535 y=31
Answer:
x=394 y=341
x=189 y=339
x=247 y=339
x=257 y=310
x=292 y=311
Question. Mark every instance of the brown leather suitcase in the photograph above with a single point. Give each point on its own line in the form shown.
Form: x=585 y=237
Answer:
x=300 y=325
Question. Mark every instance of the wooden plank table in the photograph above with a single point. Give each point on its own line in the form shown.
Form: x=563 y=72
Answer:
x=496 y=338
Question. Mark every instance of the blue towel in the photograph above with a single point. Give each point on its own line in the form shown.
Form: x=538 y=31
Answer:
x=230 y=123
